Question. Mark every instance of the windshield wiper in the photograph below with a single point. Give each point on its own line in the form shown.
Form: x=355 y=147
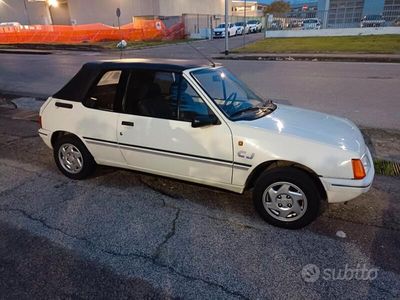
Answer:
x=269 y=106
x=239 y=112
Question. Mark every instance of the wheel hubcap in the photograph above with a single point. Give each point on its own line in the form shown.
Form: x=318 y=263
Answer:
x=70 y=158
x=284 y=201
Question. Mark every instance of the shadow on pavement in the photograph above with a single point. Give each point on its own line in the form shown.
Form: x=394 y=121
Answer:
x=33 y=267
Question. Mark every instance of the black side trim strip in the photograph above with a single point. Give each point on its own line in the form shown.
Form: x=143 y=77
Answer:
x=351 y=186
x=64 y=105
x=45 y=134
x=167 y=151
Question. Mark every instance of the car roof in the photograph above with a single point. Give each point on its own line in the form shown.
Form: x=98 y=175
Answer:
x=172 y=65
x=79 y=85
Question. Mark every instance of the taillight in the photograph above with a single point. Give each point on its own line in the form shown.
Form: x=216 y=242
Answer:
x=40 y=121
x=358 y=169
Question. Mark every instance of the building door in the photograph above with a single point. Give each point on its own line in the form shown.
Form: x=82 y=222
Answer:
x=60 y=14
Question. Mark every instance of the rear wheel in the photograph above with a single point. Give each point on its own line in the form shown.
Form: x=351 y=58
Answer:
x=286 y=197
x=72 y=157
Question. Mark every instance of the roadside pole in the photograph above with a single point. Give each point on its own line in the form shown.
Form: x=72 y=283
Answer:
x=245 y=23
x=226 y=28
x=118 y=13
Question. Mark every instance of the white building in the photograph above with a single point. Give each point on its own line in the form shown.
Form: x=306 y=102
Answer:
x=103 y=11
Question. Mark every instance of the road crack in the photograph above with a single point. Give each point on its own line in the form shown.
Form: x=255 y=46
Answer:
x=168 y=236
x=153 y=259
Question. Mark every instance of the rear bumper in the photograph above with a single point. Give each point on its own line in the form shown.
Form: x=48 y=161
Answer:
x=46 y=136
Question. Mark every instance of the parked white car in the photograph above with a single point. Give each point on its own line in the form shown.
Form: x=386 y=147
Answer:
x=199 y=123
x=254 y=26
x=10 y=24
x=242 y=28
x=311 y=23
x=219 y=31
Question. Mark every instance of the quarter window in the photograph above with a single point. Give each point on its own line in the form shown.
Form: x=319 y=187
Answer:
x=103 y=95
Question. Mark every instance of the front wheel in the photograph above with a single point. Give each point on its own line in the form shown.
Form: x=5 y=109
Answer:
x=286 y=197
x=72 y=157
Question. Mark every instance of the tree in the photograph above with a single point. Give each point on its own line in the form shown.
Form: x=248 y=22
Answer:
x=277 y=7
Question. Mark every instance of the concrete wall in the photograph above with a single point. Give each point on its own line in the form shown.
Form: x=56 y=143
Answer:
x=103 y=11
x=14 y=11
x=333 y=32
x=179 y=7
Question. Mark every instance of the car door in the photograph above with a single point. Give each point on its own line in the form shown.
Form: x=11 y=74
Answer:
x=156 y=133
x=99 y=116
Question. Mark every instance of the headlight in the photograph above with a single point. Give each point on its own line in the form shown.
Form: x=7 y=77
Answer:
x=361 y=166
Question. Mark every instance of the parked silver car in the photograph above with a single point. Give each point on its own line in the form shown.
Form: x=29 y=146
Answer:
x=372 y=21
x=311 y=23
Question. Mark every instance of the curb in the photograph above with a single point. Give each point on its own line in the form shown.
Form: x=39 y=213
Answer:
x=19 y=51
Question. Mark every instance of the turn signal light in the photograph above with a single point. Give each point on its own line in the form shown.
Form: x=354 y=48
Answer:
x=40 y=121
x=358 y=169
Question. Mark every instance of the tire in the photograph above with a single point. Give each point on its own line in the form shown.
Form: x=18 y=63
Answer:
x=75 y=161
x=287 y=197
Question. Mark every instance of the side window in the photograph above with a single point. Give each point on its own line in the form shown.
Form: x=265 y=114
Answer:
x=190 y=103
x=149 y=93
x=102 y=96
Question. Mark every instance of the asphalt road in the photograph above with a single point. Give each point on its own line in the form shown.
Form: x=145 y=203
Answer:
x=122 y=234
x=367 y=93
x=130 y=235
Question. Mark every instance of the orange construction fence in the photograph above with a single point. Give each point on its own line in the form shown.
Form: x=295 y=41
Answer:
x=140 y=30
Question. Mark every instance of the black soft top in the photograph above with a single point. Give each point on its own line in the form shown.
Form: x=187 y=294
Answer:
x=77 y=88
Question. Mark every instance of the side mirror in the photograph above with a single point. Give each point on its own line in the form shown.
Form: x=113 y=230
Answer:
x=202 y=121
x=91 y=102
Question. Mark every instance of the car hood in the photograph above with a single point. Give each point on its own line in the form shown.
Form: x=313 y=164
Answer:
x=219 y=29
x=314 y=126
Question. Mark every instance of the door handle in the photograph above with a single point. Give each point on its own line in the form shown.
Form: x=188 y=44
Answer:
x=64 y=105
x=126 y=123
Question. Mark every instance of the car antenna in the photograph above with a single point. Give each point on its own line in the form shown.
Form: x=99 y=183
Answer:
x=202 y=54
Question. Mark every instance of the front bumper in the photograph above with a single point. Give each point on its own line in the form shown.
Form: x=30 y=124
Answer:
x=342 y=190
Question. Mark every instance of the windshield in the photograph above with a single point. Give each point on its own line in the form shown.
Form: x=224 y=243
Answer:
x=239 y=24
x=374 y=17
x=231 y=95
x=310 y=21
x=221 y=26
x=252 y=22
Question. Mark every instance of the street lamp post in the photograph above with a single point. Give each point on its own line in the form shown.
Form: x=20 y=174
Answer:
x=226 y=28
x=27 y=13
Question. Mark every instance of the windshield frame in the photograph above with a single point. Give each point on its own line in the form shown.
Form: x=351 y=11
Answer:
x=261 y=113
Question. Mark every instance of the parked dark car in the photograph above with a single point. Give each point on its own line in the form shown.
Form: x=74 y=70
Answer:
x=372 y=21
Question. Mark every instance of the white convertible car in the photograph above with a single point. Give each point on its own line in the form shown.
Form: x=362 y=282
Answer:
x=199 y=123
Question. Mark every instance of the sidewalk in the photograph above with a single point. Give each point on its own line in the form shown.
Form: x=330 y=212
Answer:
x=351 y=57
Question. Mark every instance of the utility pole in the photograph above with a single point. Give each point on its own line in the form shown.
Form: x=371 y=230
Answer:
x=226 y=28
x=245 y=23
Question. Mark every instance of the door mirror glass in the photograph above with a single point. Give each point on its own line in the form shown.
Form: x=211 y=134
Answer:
x=202 y=121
